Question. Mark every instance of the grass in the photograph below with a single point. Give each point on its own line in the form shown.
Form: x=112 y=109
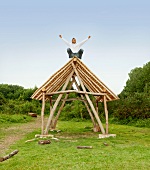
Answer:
x=7 y=121
x=15 y=118
x=129 y=150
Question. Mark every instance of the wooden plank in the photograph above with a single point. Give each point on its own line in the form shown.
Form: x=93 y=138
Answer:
x=93 y=75
x=9 y=155
x=59 y=81
x=43 y=142
x=56 y=103
x=51 y=79
x=92 y=85
x=83 y=67
x=50 y=105
x=42 y=113
x=87 y=107
x=75 y=91
x=84 y=147
x=89 y=101
x=61 y=107
x=106 y=114
x=74 y=99
x=58 y=85
x=97 y=107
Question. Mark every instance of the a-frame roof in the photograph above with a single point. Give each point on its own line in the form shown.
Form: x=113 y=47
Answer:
x=89 y=79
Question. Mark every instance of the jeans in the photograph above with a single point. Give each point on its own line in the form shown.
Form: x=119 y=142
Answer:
x=78 y=54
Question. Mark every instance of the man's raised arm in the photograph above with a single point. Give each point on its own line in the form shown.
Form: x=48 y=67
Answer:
x=82 y=42
x=66 y=42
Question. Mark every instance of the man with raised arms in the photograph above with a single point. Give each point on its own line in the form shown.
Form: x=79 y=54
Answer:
x=74 y=48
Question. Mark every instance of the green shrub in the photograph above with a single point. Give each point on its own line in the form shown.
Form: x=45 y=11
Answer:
x=6 y=118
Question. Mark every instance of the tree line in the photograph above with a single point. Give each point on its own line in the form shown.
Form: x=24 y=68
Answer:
x=134 y=103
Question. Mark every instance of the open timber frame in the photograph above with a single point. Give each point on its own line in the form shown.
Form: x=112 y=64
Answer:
x=61 y=84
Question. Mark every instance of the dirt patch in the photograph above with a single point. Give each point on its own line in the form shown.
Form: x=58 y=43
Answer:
x=14 y=133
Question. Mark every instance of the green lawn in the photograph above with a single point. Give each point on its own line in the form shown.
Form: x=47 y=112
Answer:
x=130 y=150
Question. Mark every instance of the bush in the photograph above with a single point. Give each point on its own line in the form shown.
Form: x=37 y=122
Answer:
x=6 y=118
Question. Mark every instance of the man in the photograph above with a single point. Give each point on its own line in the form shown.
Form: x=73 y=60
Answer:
x=74 y=49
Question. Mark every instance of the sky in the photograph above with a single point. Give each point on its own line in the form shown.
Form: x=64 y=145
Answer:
x=31 y=50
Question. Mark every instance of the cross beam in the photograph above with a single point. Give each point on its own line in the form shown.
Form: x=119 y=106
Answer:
x=75 y=91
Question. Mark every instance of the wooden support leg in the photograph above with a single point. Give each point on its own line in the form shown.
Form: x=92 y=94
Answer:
x=89 y=101
x=97 y=107
x=88 y=109
x=51 y=106
x=56 y=103
x=61 y=107
x=106 y=114
x=42 y=113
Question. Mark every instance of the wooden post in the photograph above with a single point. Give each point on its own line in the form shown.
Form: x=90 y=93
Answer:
x=106 y=114
x=51 y=106
x=42 y=111
x=50 y=103
x=97 y=107
x=88 y=109
x=56 y=103
x=89 y=101
x=61 y=107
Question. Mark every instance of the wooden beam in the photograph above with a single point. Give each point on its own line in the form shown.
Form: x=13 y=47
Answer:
x=86 y=71
x=72 y=99
x=9 y=155
x=42 y=112
x=51 y=105
x=56 y=103
x=75 y=91
x=89 y=101
x=106 y=114
x=84 y=147
x=61 y=107
x=94 y=86
x=97 y=107
x=60 y=71
x=85 y=102
x=59 y=81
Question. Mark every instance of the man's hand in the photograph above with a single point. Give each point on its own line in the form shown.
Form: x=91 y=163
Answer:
x=89 y=37
x=60 y=36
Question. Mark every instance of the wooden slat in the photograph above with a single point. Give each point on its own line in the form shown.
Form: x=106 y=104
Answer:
x=94 y=76
x=106 y=114
x=93 y=86
x=51 y=78
x=58 y=84
x=61 y=107
x=42 y=113
x=75 y=91
x=74 y=99
x=60 y=81
x=88 y=109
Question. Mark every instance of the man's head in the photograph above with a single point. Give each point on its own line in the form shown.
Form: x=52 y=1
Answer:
x=73 y=41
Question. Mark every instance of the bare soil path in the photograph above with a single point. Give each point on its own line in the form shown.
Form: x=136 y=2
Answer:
x=17 y=132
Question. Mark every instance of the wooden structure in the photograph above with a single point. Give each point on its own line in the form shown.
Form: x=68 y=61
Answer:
x=74 y=74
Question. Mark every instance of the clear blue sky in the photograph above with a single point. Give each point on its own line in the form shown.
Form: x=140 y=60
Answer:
x=31 y=51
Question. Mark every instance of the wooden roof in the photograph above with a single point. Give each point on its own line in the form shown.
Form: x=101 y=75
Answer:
x=89 y=79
